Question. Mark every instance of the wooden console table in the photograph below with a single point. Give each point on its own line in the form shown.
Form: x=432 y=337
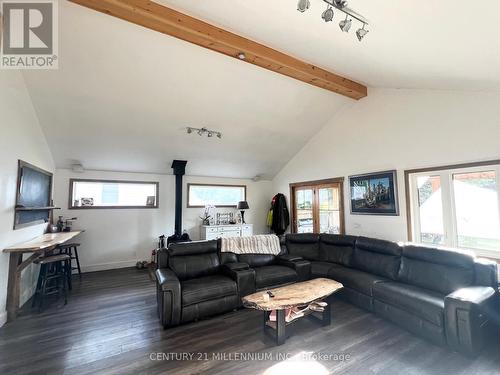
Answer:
x=38 y=247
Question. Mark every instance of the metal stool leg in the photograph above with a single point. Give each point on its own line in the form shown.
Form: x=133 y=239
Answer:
x=78 y=263
x=64 y=269
x=68 y=270
x=42 y=287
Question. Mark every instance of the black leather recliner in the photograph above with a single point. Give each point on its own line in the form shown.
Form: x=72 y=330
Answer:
x=191 y=283
x=195 y=280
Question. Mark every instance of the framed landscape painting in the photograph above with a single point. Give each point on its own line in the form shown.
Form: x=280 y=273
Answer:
x=374 y=194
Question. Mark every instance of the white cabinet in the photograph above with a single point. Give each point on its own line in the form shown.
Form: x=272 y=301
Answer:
x=212 y=232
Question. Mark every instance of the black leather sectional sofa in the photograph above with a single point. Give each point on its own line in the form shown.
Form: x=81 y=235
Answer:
x=440 y=294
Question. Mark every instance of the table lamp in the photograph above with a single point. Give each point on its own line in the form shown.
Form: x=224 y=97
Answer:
x=242 y=206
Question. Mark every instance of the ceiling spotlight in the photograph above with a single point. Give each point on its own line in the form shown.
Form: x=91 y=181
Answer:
x=303 y=5
x=361 y=33
x=345 y=25
x=328 y=14
x=204 y=131
x=241 y=56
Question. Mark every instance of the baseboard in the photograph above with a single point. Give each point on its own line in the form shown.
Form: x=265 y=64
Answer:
x=3 y=318
x=108 y=266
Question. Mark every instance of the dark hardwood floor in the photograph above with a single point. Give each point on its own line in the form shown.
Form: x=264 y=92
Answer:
x=110 y=327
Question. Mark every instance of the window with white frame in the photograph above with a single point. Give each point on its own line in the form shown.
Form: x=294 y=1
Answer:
x=88 y=194
x=457 y=207
x=201 y=195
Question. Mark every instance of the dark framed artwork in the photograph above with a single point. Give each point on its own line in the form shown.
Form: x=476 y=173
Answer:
x=374 y=194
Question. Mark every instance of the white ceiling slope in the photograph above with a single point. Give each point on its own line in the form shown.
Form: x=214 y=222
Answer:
x=445 y=44
x=123 y=95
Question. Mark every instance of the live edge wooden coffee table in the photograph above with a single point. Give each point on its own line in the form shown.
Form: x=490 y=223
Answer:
x=290 y=296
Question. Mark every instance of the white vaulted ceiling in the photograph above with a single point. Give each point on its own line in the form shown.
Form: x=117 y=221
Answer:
x=123 y=94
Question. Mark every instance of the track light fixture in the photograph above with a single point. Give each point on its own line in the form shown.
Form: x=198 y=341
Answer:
x=361 y=33
x=345 y=25
x=328 y=14
x=204 y=131
x=303 y=5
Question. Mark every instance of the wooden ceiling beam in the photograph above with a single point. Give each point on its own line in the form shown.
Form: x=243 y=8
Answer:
x=171 y=22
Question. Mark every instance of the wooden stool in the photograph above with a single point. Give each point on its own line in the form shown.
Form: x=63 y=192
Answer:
x=71 y=249
x=54 y=269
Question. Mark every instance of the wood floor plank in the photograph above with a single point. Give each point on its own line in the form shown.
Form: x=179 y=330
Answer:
x=110 y=327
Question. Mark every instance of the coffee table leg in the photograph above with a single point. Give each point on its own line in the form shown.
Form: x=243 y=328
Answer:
x=327 y=314
x=280 y=327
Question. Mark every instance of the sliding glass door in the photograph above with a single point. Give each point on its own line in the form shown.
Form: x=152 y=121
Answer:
x=317 y=207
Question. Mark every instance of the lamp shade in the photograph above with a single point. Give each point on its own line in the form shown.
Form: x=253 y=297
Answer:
x=243 y=205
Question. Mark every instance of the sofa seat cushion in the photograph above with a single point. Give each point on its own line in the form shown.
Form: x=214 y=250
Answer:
x=268 y=276
x=358 y=280
x=320 y=269
x=207 y=288
x=426 y=304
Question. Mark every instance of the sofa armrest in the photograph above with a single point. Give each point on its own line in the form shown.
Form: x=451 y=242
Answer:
x=290 y=257
x=466 y=319
x=237 y=266
x=302 y=267
x=244 y=278
x=168 y=296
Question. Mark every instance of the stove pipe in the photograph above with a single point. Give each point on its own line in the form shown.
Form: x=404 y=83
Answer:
x=179 y=169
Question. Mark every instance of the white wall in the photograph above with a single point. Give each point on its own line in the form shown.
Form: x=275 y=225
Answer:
x=259 y=196
x=21 y=138
x=397 y=129
x=117 y=238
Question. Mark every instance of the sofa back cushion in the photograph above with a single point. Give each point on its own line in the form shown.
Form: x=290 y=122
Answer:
x=194 y=259
x=228 y=257
x=257 y=260
x=337 y=249
x=440 y=270
x=305 y=245
x=376 y=256
x=486 y=272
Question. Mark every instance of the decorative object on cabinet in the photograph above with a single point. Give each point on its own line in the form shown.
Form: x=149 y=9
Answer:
x=224 y=218
x=242 y=206
x=208 y=216
x=213 y=232
x=374 y=194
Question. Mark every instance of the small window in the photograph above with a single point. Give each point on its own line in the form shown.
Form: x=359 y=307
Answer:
x=217 y=195
x=88 y=194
